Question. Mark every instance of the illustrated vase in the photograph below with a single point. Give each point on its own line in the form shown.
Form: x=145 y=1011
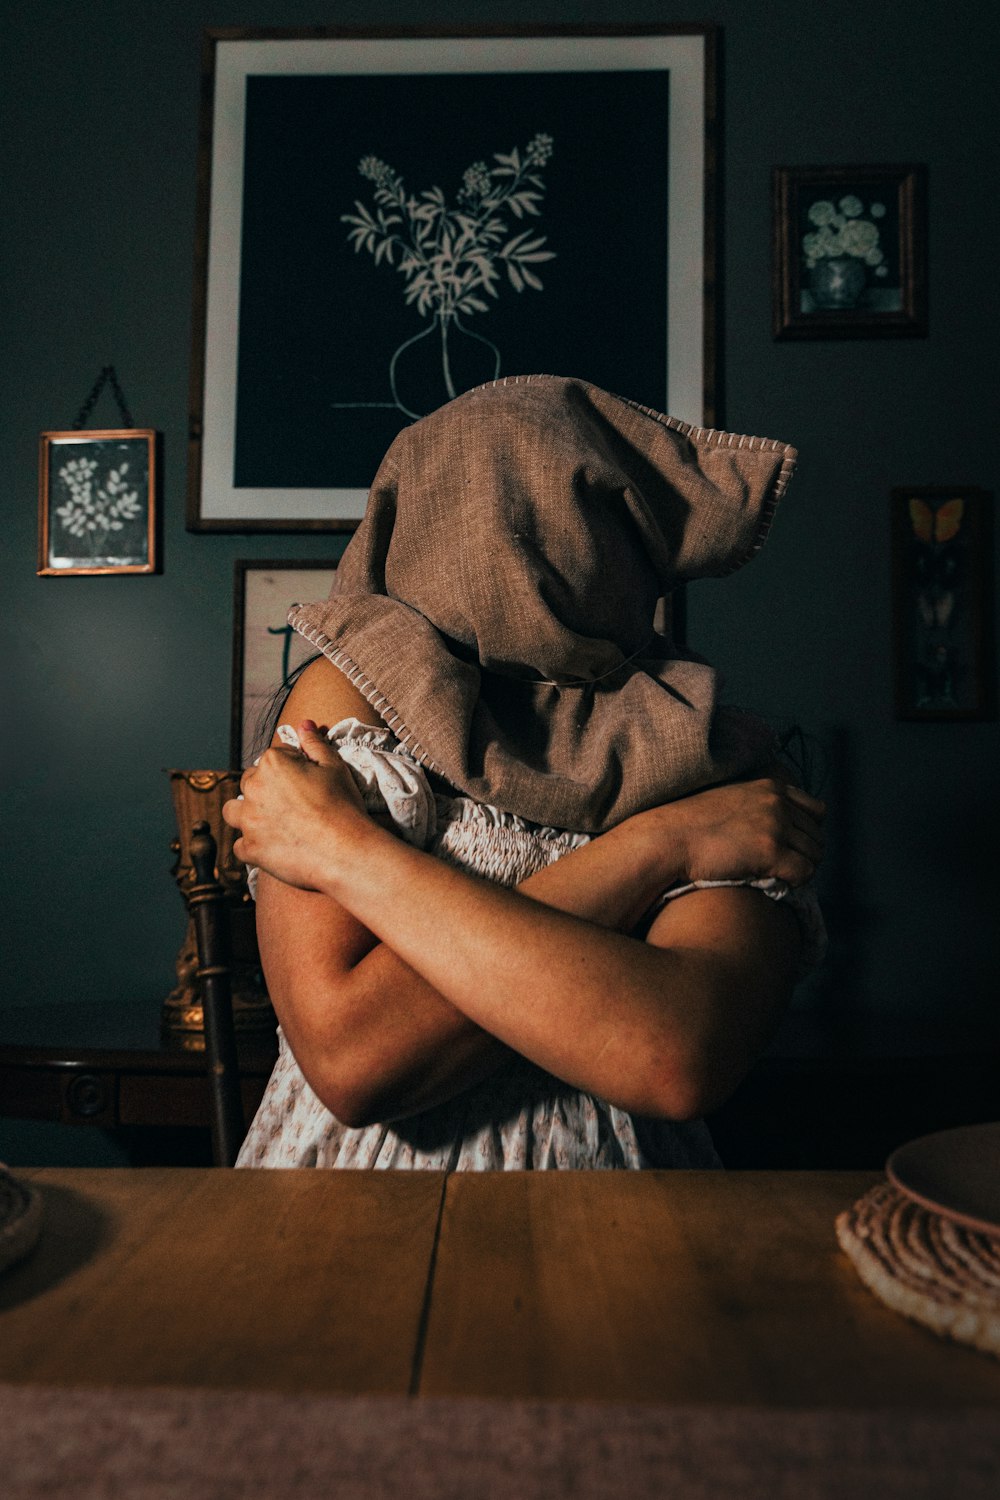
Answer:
x=838 y=282
x=439 y=363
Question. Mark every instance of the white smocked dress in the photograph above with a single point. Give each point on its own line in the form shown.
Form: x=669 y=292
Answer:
x=520 y=1117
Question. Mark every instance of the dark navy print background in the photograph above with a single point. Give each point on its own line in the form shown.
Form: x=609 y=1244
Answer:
x=320 y=322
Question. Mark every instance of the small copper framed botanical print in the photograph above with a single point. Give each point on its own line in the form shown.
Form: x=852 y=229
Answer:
x=942 y=603
x=98 y=498
x=850 y=253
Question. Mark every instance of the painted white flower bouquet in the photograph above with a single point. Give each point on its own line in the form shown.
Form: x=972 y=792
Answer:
x=93 y=511
x=842 y=229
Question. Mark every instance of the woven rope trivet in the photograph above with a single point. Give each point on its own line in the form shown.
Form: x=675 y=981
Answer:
x=20 y=1218
x=926 y=1266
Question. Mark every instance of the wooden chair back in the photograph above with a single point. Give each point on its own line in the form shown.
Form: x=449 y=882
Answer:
x=207 y=903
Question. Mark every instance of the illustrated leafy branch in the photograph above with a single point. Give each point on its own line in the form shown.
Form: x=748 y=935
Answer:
x=453 y=258
x=89 y=515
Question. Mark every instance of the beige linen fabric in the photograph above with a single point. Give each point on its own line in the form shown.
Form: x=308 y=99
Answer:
x=496 y=604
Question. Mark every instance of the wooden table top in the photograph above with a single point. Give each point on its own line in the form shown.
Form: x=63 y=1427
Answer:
x=708 y=1288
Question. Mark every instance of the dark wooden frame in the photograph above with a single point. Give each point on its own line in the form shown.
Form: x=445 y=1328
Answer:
x=241 y=568
x=789 y=321
x=709 y=415
x=152 y=439
x=978 y=519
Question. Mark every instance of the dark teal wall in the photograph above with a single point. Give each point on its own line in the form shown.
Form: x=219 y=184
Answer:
x=108 y=681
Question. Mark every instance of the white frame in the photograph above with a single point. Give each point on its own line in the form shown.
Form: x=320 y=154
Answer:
x=257 y=673
x=214 y=504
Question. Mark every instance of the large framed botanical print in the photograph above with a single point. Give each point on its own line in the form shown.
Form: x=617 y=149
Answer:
x=386 y=221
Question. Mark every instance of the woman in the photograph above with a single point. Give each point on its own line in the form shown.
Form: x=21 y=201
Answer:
x=501 y=707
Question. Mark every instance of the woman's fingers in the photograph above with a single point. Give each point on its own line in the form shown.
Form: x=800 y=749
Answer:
x=796 y=831
x=810 y=847
x=805 y=828
x=812 y=805
x=804 y=835
x=795 y=869
x=232 y=813
x=808 y=827
x=803 y=844
x=315 y=745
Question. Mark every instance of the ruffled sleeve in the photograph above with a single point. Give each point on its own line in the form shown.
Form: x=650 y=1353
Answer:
x=395 y=790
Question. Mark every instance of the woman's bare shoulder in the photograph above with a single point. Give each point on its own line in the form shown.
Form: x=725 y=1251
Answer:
x=322 y=693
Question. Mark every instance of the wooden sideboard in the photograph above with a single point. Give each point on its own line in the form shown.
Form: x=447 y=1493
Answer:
x=108 y=1066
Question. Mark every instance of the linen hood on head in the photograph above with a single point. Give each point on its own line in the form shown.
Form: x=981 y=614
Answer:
x=516 y=542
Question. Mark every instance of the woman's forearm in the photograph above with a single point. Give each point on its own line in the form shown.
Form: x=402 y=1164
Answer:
x=615 y=879
x=562 y=986
x=595 y=1007
x=382 y=1043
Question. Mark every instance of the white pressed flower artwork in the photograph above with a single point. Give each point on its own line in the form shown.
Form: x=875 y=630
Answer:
x=106 y=509
x=97 y=497
x=858 y=237
x=841 y=230
x=821 y=212
x=843 y=255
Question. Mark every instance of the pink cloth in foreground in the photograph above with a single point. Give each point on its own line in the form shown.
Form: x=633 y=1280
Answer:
x=233 y=1445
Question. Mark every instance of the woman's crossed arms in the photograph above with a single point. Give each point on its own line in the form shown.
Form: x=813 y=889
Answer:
x=400 y=981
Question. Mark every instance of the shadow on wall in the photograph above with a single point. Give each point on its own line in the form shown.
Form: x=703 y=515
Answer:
x=828 y=1014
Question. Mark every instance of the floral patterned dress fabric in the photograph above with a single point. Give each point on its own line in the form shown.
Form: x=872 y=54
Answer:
x=521 y=1117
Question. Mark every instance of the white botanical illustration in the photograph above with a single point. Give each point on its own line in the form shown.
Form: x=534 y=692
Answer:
x=842 y=229
x=455 y=258
x=96 y=508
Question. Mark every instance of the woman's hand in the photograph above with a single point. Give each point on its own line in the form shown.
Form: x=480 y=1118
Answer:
x=748 y=830
x=299 y=807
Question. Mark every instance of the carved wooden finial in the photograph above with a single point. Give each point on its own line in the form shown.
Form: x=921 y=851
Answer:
x=203 y=854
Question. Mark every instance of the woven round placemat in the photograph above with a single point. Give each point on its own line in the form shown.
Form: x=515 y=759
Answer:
x=925 y=1265
x=20 y=1217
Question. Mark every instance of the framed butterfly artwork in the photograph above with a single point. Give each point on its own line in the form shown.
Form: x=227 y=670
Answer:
x=942 y=603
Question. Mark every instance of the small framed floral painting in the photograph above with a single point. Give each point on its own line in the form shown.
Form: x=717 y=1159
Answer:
x=942 y=557
x=266 y=650
x=389 y=219
x=850 y=252
x=98 y=501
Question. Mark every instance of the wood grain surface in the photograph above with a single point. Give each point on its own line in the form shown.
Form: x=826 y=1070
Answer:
x=683 y=1287
x=286 y=1281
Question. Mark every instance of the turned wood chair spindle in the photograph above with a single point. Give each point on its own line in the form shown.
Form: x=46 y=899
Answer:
x=206 y=901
